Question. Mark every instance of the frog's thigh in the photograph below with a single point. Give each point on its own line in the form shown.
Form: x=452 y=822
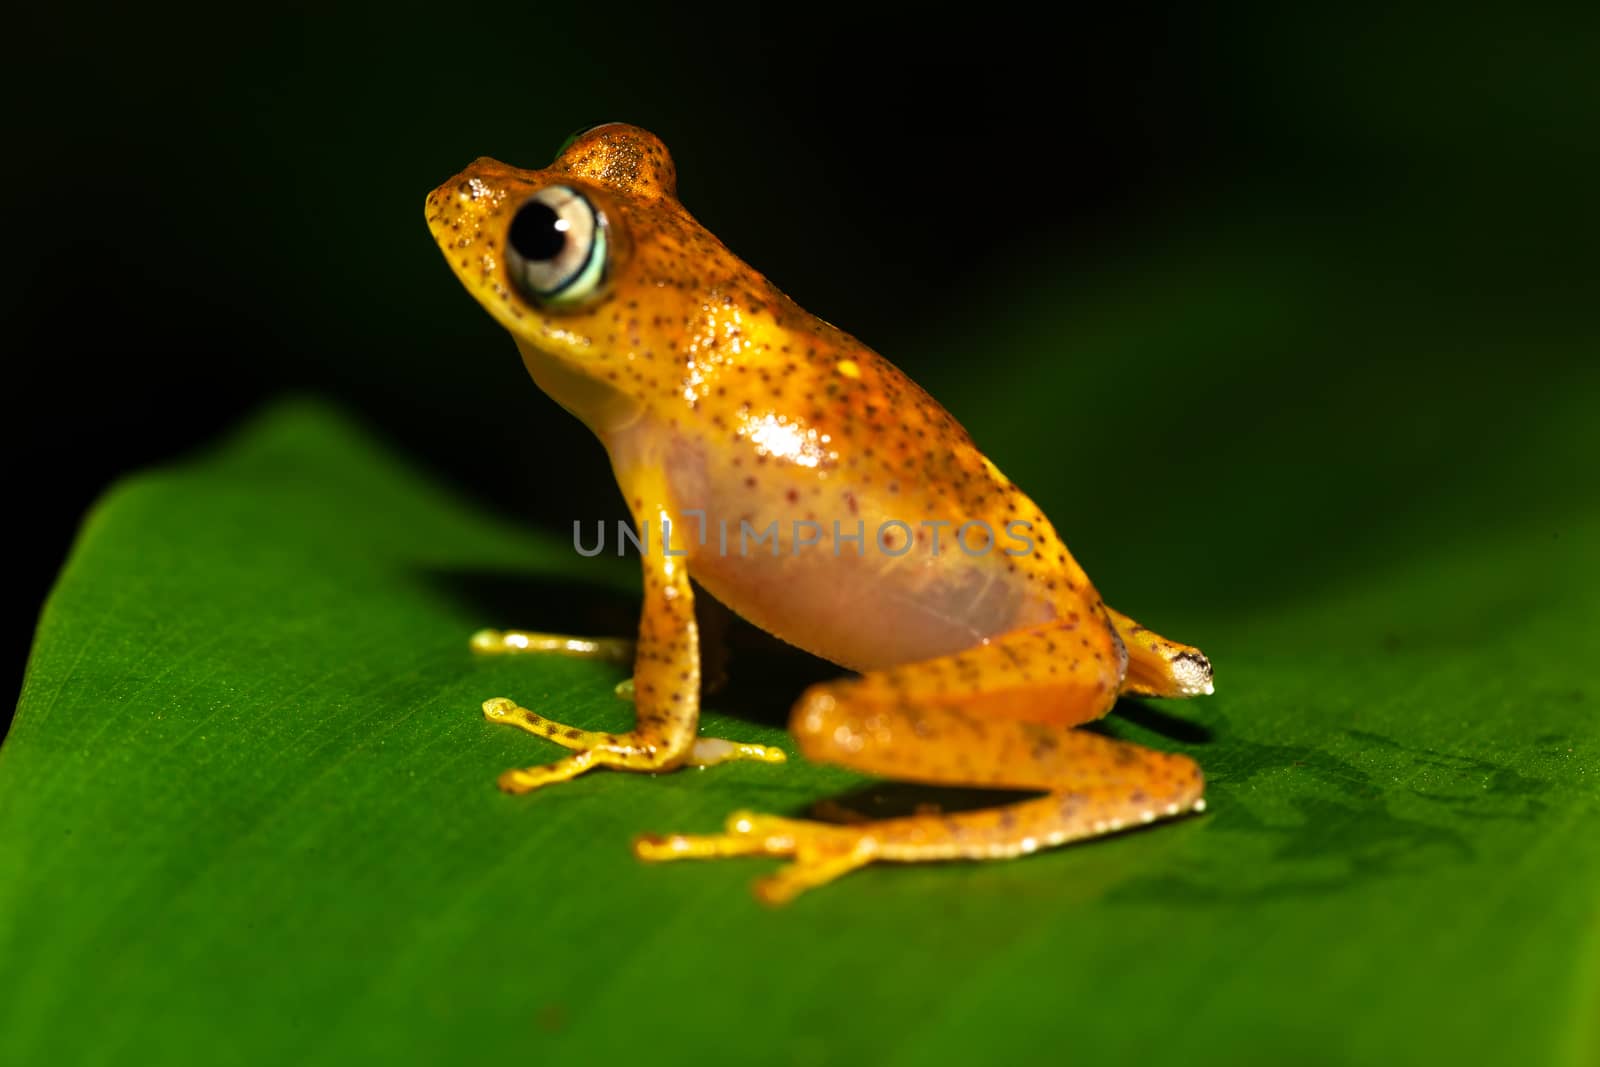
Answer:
x=1006 y=728
x=1059 y=674
x=1097 y=784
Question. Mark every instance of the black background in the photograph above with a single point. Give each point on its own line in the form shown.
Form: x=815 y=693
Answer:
x=210 y=207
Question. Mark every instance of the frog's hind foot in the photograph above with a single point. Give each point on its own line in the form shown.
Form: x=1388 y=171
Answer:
x=626 y=751
x=1158 y=667
x=821 y=852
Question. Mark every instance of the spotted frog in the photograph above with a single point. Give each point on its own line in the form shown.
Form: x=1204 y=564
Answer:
x=810 y=486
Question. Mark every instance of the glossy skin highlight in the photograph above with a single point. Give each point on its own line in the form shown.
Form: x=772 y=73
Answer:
x=721 y=403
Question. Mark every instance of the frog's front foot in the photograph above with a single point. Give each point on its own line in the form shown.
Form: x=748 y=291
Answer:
x=530 y=642
x=821 y=852
x=489 y=642
x=632 y=751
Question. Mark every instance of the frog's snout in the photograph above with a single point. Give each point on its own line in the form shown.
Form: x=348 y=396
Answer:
x=458 y=210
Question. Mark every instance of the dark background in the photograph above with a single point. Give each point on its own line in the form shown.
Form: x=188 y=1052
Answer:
x=209 y=208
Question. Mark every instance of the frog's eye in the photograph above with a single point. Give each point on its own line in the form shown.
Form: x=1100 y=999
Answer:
x=556 y=250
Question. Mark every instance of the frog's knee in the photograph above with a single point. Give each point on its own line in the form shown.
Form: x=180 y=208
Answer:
x=811 y=711
x=818 y=726
x=832 y=724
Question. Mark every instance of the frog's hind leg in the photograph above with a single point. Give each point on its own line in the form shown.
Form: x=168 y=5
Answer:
x=996 y=716
x=1158 y=667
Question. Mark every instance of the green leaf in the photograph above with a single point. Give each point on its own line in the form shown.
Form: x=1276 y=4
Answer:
x=247 y=811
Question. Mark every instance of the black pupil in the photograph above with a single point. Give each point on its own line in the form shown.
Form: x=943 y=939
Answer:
x=533 y=232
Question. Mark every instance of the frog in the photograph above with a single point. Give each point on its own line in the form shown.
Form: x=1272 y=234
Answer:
x=793 y=474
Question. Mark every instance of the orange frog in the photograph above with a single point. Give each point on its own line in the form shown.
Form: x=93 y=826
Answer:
x=813 y=488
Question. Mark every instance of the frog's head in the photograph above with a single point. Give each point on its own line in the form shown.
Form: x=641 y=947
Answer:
x=591 y=264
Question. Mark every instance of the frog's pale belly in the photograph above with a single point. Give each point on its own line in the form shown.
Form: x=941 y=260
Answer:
x=861 y=602
x=870 y=611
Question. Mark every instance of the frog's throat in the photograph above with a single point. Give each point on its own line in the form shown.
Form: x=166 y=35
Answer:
x=599 y=405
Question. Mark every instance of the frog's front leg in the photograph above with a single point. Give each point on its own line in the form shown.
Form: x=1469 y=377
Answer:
x=996 y=716
x=711 y=620
x=666 y=673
